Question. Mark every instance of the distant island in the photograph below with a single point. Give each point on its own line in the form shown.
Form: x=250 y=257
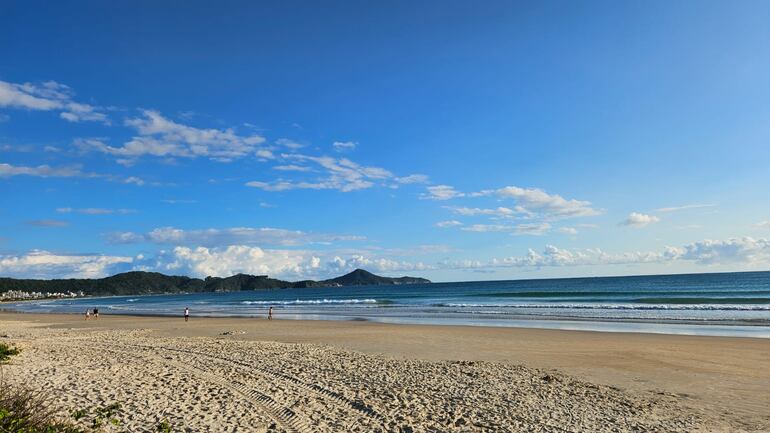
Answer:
x=149 y=283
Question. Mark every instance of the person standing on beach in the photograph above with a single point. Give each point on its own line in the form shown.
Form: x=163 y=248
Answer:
x=270 y=313
x=96 y=313
x=186 y=314
x=88 y=314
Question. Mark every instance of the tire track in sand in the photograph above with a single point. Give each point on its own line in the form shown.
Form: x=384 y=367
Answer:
x=283 y=416
x=358 y=406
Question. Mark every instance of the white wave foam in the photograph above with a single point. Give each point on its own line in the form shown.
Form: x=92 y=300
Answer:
x=312 y=302
x=710 y=307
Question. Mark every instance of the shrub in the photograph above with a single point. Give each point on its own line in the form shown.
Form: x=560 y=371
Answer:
x=26 y=411
x=6 y=352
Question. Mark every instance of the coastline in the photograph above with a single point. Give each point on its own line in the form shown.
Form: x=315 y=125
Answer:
x=687 y=327
x=725 y=376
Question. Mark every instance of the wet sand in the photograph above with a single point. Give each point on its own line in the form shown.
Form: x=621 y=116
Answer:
x=359 y=376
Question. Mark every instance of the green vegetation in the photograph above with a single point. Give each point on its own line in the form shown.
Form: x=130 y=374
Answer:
x=163 y=427
x=145 y=283
x=6 y=352
x=23 y=410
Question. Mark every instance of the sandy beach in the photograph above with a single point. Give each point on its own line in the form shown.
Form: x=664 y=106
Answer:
x=220 y=374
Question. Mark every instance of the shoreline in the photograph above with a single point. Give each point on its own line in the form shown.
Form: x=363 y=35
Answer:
x=706 y=328
x=726 y=376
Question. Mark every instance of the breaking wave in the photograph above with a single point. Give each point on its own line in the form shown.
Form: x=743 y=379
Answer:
x=314 y=302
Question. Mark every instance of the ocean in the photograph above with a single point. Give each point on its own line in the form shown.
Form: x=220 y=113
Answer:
x=729 y=304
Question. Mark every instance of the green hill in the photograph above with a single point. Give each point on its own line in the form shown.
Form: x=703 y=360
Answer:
x=145 y=283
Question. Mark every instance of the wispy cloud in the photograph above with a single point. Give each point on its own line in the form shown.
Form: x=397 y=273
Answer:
x=412 y=179
x=49 y=96
x=341 y=174
x=448 y=223
x=532 y=201
x=95 y=211
x=289 y=144
x=178 y=201
x=684 y=207
x=48 y=223
x=291 y=167
x=8 y=170
x=499 y=212
x=535 y=229
x=229 y=236
x=159 y=136
x=342 y=146
x=548 y=205
x=441 y=193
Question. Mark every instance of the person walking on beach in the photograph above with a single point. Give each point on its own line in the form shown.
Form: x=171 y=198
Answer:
x=88 y=314
x=270 y=313
x=186 y=314
x=96 y=313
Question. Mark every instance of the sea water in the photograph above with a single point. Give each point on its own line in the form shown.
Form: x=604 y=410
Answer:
x=736 y=304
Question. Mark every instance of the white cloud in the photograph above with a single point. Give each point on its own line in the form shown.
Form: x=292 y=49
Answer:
x=8 y=170
x=554 y=256
x=340 y=174
x=743 y=251
x=44 y=264
x=234 y=259
x=534 y=229
x=179 y=201
x=133 y=180
x=530 y=203
x=339 y=265
x=540 y=202
x=735 y=250
x=49 y=96
x=342 y=146
x=449 y=223
x=568 y=230
x=162 y=137
x=763 y=225
x=48 y=223
x=684 y=207
x=229 y=236
x=483 y=228
x=442 y=192
x=290 y=144
x=291 y=167
x=95 y=211
x=639 y=220
x=412 y=179
x=288 y=264
x=265 y=154
x=499 y=212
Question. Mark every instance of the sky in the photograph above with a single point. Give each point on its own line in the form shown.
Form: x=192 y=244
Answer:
x=451 y=140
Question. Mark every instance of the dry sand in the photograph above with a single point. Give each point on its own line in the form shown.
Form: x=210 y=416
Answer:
x=319 y=376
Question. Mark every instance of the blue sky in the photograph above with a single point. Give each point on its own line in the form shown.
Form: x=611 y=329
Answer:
x=442 y=139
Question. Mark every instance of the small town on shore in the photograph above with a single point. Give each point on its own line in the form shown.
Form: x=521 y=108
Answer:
x=18 y=295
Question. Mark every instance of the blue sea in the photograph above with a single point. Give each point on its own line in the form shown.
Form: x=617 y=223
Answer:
x=732 y=304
